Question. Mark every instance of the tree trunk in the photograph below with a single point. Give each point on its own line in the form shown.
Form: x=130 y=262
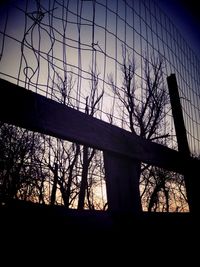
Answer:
x=70 y=178
x=54 y=188
x=83 y=186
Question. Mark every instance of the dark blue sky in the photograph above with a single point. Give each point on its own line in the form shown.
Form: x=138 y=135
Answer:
x=185 y=15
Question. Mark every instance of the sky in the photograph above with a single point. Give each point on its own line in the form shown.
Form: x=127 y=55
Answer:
x=185 y=15
x=93 y=42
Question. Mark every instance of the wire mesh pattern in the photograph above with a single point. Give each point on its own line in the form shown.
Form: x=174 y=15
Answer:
x=74 y=52
x=76 y=42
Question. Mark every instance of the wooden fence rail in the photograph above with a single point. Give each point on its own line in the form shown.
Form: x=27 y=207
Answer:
x=35 y=112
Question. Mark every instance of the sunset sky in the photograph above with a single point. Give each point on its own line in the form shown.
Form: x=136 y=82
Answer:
x=84 y=40
x=94 y=56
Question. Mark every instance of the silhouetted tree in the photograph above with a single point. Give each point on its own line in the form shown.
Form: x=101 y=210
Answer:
x=145 y=107
x=21 y=152
x=91 y=106
x=63 y=156
x=72 y=160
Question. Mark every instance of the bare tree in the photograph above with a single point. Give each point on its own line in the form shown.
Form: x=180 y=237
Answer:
x=65 y=155
x=63 y=164
x=21 y=151
x=145 y=107
x=66 y=165
x=71 y=161
x=91 y=106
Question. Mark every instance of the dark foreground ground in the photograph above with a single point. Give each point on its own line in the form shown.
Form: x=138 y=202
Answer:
x=55 y=236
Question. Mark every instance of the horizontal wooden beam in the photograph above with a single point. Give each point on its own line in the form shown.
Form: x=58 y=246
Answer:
x=34 y=112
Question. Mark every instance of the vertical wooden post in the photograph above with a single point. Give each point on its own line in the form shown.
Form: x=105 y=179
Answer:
x=178 y=115
x=183 y=147
x=122 y=182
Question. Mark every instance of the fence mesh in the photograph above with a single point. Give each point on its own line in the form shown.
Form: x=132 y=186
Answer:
x=48 y=43
x=77 y=52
